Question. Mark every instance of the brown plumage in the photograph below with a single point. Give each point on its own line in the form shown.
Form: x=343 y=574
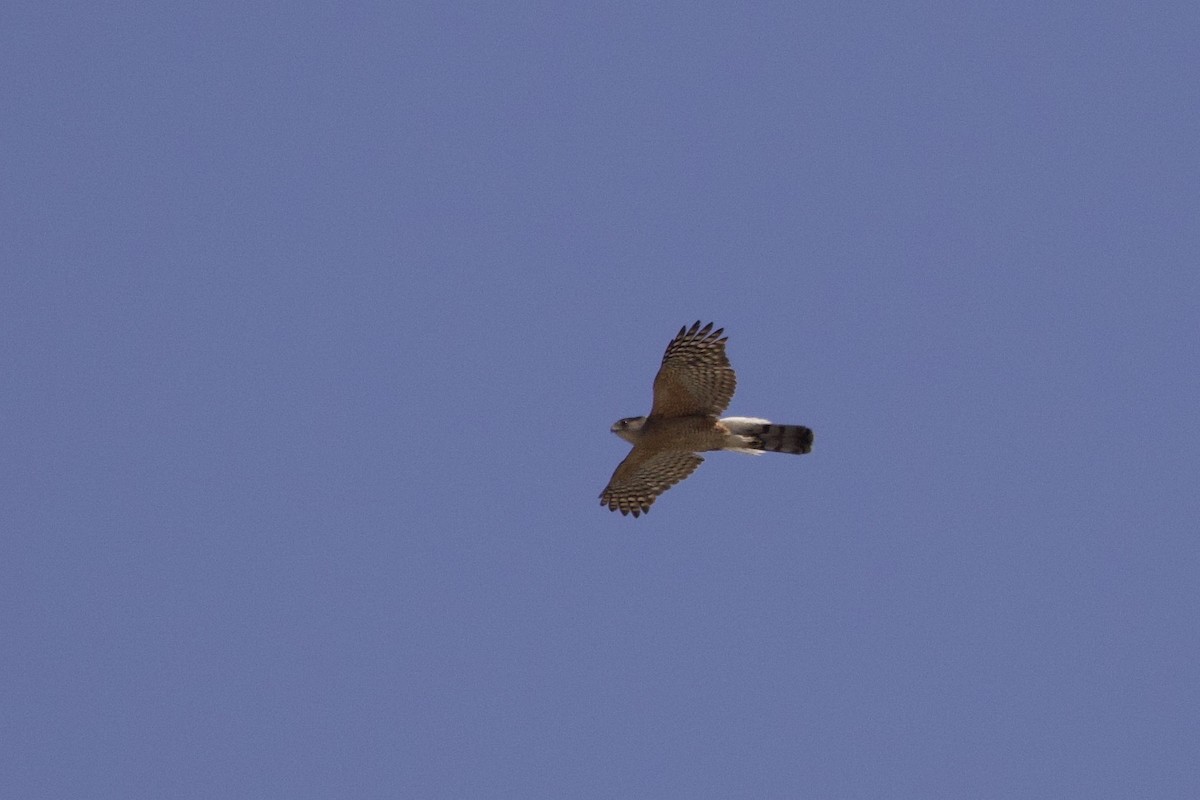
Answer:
x=694 y=385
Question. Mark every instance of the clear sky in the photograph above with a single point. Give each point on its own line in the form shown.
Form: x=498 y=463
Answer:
x=314 y=318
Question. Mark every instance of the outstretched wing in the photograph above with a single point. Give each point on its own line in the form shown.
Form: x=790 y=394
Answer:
x=644 y=475
x=695 y=376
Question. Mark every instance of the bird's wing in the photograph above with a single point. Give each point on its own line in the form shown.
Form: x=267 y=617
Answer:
x=644 y=475
x=695 y=376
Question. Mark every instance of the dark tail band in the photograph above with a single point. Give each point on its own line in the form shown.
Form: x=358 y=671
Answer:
x=795 y=439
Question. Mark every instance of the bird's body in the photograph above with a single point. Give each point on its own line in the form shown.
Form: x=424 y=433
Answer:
x=703 y=433
x=694 y=385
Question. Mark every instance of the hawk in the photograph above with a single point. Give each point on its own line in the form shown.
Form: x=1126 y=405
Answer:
x=694 y=385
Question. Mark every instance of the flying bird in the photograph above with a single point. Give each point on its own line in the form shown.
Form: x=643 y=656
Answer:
x=694 y=385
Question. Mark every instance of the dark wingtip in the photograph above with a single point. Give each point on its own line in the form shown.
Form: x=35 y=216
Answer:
x=701 y=329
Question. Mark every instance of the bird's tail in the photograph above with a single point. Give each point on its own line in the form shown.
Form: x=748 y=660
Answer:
x=758 y=435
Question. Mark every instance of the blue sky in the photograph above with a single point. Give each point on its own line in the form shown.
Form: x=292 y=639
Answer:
x=314 y=320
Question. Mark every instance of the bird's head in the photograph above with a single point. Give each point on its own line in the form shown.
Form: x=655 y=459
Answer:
x=629 y=428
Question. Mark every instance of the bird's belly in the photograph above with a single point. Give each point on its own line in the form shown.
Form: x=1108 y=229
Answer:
x=694 y=434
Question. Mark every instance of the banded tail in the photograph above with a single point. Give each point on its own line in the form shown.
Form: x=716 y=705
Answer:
x=758 y=435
